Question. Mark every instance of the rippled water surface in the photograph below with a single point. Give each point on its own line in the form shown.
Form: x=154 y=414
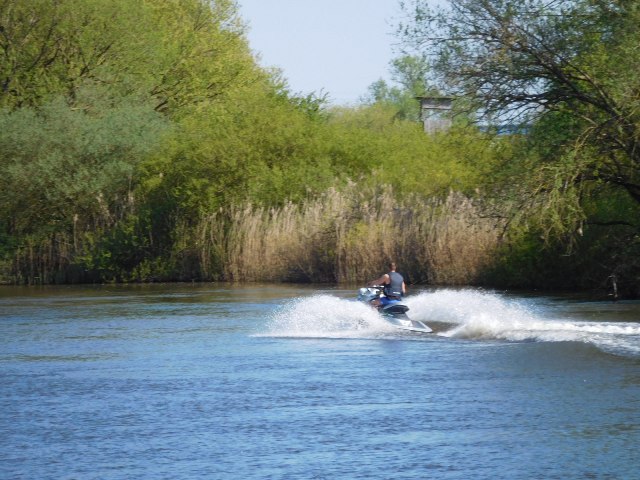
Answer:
x=217 y=382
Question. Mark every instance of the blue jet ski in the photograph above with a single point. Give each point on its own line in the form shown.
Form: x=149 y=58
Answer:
x=394 y=311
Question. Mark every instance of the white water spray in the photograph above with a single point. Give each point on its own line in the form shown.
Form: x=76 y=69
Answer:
x=463 y=314
x=325 y=316
x=472 y=314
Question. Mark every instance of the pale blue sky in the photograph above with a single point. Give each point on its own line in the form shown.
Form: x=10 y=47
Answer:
x=336 y=46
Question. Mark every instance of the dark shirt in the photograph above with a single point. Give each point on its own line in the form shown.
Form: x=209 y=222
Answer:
x=394 y=288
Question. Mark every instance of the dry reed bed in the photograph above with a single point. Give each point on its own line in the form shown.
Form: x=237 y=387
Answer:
x=349 y=237
x=341 y=236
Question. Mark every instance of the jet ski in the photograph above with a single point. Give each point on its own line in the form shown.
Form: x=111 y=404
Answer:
x=394 y=312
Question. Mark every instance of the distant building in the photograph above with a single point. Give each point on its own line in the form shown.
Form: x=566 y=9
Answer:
x=435 y=113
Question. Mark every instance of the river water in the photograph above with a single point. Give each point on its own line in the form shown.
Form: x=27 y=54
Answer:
x=271 y=382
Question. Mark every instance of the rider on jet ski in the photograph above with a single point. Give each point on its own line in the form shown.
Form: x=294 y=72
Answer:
x=394 y=286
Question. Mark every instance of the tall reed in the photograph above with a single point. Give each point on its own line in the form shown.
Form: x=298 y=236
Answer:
x=344 y=236
x=349 y=236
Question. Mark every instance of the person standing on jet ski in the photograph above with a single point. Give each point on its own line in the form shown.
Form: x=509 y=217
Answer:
x=394 y=286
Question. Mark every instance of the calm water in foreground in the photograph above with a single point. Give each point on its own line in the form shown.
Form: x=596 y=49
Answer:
x=270 y=382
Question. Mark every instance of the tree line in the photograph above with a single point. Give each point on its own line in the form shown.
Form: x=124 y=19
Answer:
x=141 y=141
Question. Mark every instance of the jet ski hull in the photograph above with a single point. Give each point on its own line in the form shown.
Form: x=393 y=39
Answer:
x=408 y=324
x=394 y=312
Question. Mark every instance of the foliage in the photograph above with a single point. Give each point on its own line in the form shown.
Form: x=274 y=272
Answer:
x=84 y=83
x=204 y=53
x=385 y=150
x=63 y=166
x=181 y=53
x=256 y=146
x=562 y=68
x=549 y=60
x=51 y=48
x=411 y=76
x=552 y=61
x=140 y=141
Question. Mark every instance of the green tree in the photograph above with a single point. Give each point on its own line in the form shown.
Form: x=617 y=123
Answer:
x=62 y=166
x=181 y=53
x=87 y=90
x=51 y=48
x=204 y=53
x=534 y=59
x=410 y=75
x=565 y=69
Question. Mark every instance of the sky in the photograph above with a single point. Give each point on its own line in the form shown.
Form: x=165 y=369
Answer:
x=336 y=47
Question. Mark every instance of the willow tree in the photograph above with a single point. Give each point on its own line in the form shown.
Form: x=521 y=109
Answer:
x=86 y=89
x=204 y=52
x=180 y=52
x=573 y=61
x=53 y=48
x=568 y=71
